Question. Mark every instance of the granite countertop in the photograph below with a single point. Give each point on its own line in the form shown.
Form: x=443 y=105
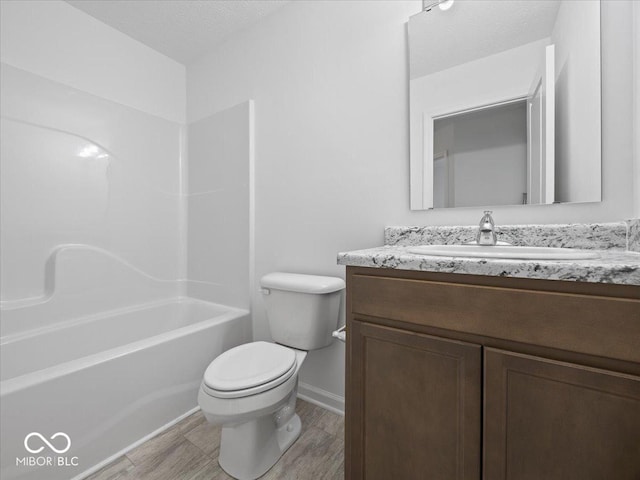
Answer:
x=620 y=267
x=617 y=245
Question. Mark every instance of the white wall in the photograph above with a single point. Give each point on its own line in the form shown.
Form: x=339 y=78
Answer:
x=636 y=87
x=330 y=85
x=57 y=41
x=476 y=29
x=328 y=145
x=488 y=80
x=489 y=152
x=577 y=67
x=220 y=230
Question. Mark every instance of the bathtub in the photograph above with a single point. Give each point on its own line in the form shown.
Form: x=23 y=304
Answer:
x=105 y=382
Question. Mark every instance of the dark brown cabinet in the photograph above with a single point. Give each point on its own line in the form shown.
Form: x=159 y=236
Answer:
x=461 y=377
x=422 y=392
x=555 y=420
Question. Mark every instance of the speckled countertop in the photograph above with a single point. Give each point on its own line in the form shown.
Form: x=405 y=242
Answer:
x=612 y=266
x=615 y=264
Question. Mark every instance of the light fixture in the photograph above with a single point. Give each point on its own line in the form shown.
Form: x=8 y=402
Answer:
x=92 y=151
x=443 y=5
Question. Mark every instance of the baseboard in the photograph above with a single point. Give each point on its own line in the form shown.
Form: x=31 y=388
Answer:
x=113 y=457
x=327 y=400
x=324 y=399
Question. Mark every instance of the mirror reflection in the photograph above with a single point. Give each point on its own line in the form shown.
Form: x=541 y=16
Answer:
x=505 y=103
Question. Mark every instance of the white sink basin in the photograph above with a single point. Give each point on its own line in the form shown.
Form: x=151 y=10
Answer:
x=504 y=251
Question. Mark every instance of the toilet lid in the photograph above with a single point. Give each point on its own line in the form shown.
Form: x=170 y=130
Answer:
x=249 y=365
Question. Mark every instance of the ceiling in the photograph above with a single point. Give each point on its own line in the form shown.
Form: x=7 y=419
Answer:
x=474 y=29
x=181 y=29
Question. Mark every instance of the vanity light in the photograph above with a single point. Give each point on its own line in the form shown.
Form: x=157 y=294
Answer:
x=445 y=5
x=427 y=5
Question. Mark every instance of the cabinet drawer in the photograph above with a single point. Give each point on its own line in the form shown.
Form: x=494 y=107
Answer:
x=587 y=324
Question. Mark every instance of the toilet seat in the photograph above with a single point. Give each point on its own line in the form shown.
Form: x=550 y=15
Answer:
x=249 y=369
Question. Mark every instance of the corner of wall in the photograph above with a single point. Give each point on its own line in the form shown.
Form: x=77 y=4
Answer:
x=57 y=41
x=636 y=108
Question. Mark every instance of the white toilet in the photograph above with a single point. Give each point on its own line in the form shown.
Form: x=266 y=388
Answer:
x=251 y=389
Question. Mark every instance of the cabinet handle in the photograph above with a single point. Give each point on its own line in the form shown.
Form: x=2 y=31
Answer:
x=340 y=334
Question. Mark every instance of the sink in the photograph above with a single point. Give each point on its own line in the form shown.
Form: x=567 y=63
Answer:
x=504 y=251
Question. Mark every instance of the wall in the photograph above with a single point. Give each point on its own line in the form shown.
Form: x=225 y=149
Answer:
x=439 y=41
x=91 y=146
x=489 y=151
x=57 y=41
x=329 y=81
x=636 y=87
x=220 y=208
x=578 y=140
x=488 y=80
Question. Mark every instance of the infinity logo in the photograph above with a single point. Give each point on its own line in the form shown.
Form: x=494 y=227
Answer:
x=47 y=443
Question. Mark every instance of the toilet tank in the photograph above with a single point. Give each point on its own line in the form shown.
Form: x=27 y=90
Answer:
x=302 y=310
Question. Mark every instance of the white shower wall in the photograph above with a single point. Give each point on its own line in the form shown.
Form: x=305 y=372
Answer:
x=220 y=210
x=94 y=152
x=91 y=146
x=80 y=169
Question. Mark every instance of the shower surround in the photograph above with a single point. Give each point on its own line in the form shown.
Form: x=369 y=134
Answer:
x=100 y=340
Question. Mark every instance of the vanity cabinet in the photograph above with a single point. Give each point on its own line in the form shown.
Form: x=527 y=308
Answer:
x=422 y=394
x=461 y=377
x=556 y=420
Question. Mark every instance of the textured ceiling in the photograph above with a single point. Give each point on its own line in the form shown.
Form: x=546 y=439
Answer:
x=181 y=29
x=473 y=29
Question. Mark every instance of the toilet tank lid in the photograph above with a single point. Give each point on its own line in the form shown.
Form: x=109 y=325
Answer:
x=296 y=282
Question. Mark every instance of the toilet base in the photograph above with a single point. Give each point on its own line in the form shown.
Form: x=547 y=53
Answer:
x=249 y=450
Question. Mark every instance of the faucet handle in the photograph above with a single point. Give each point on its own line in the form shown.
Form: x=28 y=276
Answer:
x=486 y=233
x=487 y=218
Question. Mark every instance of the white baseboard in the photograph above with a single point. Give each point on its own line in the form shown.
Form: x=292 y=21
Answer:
x=327 y=400
x=107 y=461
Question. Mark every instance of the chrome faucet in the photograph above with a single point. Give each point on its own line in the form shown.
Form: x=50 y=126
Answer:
x=487 y=232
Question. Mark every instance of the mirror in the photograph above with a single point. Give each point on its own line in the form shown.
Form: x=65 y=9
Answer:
x=505 y=103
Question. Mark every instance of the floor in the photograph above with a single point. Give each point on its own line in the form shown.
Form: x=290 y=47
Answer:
x=189 y=451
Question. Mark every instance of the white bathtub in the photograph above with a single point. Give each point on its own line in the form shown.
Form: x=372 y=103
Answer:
x=107 y=381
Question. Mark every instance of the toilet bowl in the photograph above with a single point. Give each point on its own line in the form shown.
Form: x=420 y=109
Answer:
x=259 y=420
x=251 y=389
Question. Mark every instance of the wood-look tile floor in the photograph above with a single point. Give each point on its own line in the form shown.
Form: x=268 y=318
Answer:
x=189 y=451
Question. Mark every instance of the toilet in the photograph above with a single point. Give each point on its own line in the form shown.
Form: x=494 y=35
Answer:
x=251 y=389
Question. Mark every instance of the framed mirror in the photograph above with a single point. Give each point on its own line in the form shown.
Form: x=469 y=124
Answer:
x=505 y=103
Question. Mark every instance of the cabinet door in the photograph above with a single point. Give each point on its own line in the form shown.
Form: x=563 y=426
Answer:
x=558 y=421
x=413 y=406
